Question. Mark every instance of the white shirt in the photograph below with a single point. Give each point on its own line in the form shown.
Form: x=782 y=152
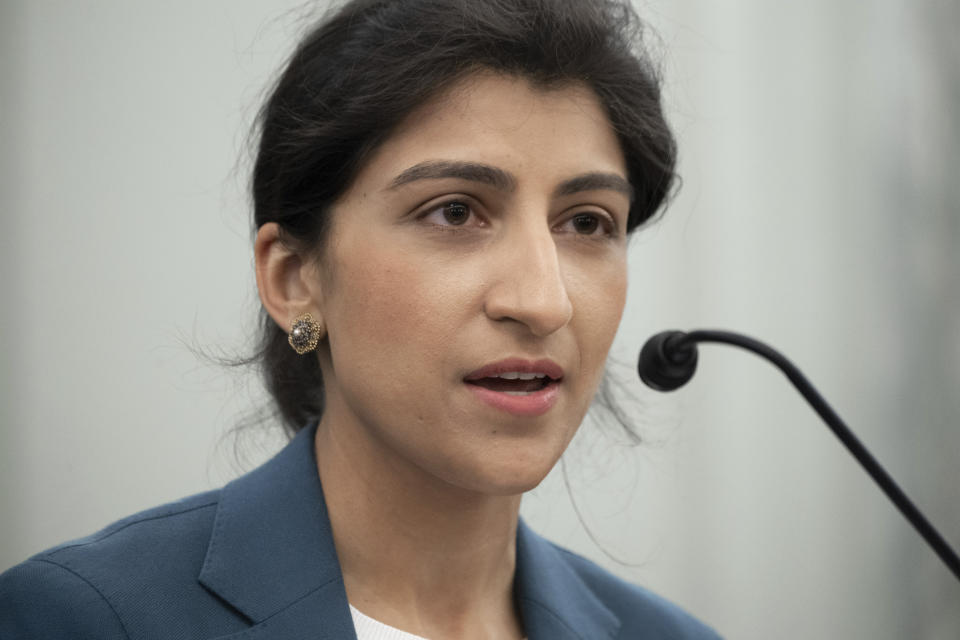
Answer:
x=369 y=629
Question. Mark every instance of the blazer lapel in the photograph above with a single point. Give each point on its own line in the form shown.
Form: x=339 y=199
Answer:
x=554 y=601
x=271 y=553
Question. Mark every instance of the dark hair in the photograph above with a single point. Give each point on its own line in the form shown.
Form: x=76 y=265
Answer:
x=359 y=72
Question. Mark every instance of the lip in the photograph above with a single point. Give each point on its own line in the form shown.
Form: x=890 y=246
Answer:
x=530 y=405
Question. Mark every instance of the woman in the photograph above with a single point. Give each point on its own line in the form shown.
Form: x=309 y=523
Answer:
x=443 y=193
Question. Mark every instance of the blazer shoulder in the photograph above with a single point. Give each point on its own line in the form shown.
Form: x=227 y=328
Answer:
x=157 y=523
x=42 y=600
x=96 y=585
x=642 y=613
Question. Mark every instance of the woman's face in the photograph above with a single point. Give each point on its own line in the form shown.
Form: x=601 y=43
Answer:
x=484 y=239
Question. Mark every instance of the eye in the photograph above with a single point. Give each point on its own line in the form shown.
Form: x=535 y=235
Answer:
x=590 y=224
x=454 y=213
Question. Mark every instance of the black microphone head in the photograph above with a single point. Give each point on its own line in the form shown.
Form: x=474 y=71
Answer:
x=667 y=361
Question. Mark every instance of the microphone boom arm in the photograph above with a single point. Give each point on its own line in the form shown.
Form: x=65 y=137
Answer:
x=676 y=352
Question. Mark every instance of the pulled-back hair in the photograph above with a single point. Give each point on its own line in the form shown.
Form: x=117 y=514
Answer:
x=359 y=72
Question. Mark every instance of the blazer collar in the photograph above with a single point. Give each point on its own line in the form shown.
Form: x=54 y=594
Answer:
x=271 y=551
x=271 y=556
x=554 y=600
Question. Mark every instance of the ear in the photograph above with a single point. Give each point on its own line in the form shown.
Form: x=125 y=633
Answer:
x=288 y=282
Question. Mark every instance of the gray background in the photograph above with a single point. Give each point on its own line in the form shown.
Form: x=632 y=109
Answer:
x=820 y=147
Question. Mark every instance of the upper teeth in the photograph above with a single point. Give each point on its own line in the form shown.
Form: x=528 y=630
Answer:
x=516 y=375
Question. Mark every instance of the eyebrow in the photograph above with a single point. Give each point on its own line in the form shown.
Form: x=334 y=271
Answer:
x=597 y=180
x=503 y=180
x=472 y=171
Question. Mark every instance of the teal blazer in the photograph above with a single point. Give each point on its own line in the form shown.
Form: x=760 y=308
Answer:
x=255 y=561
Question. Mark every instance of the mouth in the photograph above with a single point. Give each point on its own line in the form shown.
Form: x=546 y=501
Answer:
x=520 y=387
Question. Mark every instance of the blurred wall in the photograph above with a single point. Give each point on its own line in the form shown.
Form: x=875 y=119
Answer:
x=819 y=212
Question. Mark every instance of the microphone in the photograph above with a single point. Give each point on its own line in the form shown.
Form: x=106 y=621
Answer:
x=668 y=361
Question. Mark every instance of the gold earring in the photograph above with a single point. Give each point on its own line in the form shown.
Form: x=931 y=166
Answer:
x=304 y=334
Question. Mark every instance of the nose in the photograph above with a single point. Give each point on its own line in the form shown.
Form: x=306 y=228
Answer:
x=529 y=286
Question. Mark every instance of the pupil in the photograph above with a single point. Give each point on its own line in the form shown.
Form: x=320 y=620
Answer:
x=586 y=224
x=455 y=213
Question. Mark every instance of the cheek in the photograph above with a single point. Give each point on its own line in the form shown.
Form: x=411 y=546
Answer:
x=599 y=296
x=389 y=316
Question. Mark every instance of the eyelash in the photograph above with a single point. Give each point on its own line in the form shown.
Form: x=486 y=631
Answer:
x=604 y=222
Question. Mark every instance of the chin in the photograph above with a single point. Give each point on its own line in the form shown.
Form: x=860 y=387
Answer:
x=512 y=486
x=510 y=476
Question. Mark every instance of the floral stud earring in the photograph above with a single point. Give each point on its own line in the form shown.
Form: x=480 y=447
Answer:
x=305 y=333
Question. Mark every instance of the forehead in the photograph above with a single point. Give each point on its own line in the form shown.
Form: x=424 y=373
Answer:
x=505 y=121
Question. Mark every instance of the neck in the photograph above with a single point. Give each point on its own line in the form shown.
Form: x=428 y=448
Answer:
x=418 y=553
